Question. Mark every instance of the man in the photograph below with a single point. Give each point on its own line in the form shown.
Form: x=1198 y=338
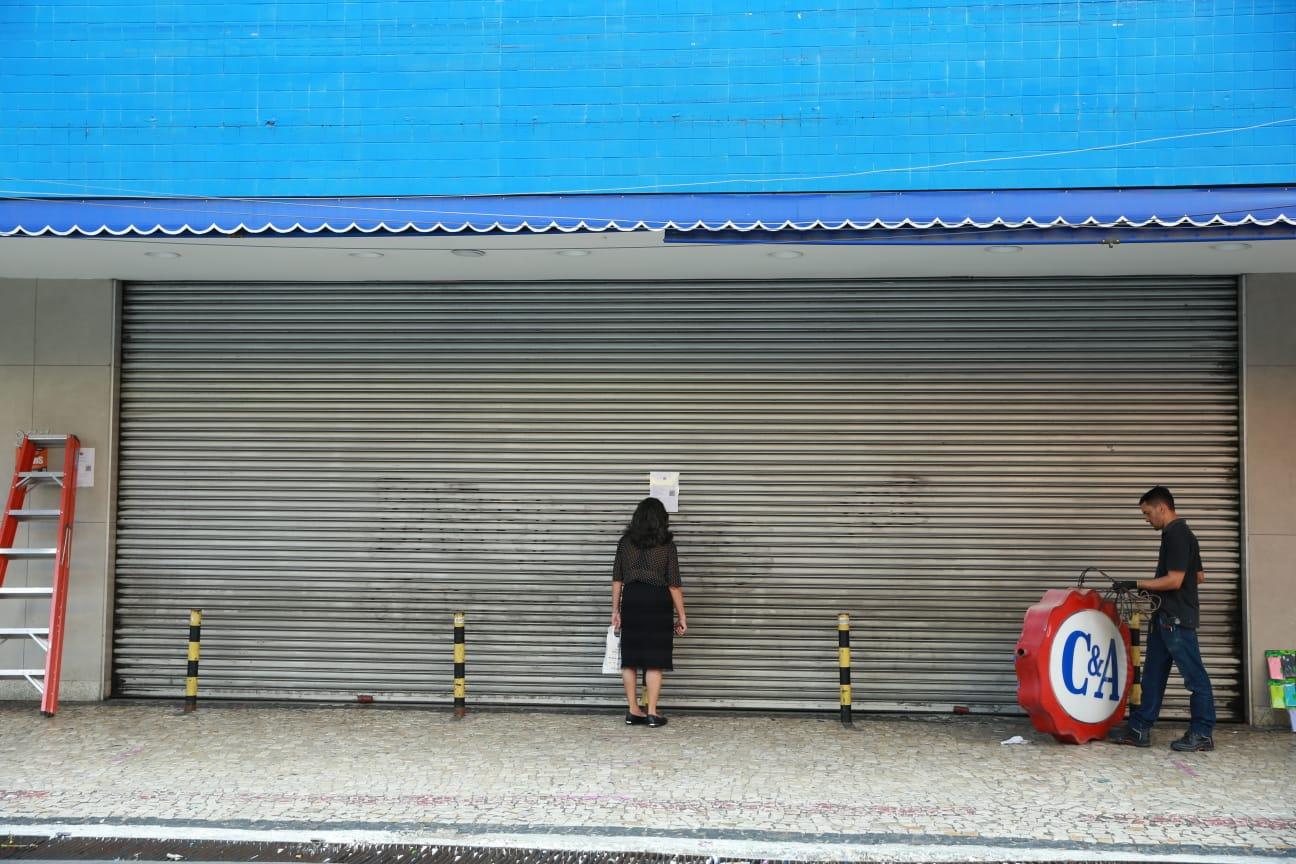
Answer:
x=1172 y=632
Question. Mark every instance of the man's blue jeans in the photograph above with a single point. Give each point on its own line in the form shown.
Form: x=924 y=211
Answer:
x=1166 y=643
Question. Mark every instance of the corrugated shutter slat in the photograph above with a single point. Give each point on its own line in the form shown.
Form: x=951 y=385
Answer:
x=330 y=471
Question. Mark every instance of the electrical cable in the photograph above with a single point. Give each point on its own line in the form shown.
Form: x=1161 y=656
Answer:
x=614 y=190
x=1127 y=601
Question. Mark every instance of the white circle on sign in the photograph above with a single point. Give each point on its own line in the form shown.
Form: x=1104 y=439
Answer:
x=1087 y=666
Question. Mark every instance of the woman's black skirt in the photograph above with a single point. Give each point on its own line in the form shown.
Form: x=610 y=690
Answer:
x=647 y=627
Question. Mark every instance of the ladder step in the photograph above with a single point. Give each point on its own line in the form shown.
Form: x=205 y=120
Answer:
x=24 y=515
x=30 y=474
x=48 y=439
x=27 y=554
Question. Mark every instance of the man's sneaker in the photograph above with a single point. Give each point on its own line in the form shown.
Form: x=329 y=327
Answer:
x=1131 y=736
x=1191 y=742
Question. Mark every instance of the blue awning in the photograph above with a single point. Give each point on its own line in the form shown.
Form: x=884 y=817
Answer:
x=905 y=215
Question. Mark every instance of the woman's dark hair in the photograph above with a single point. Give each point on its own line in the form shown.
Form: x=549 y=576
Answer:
x=649 y=526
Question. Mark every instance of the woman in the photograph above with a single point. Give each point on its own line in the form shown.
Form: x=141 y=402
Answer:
x=645 y=589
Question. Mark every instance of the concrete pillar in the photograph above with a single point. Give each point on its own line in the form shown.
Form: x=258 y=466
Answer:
x=58 y=351
x=1269 y=482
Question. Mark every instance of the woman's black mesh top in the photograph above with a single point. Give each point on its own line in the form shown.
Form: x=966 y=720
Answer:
x=656 y=566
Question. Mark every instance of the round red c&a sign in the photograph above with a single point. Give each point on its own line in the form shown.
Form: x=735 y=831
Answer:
x=1074 y=665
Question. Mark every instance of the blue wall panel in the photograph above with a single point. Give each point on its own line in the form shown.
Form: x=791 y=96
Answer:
x=514 y=96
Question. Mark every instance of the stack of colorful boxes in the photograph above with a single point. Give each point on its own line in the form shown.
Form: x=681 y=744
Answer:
x=1282 y=682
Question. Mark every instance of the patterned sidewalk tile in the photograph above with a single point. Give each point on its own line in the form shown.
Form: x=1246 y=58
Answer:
x=798 y=778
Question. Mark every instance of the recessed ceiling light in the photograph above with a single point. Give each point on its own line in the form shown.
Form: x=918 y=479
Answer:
x=785 y=253
x=162 y=254
x=574 y=253
x=365 y=254
x=1003 y=250
x=467 y=253
x=1230 y=246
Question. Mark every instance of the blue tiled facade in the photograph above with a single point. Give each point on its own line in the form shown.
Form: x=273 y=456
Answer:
x=298 y=97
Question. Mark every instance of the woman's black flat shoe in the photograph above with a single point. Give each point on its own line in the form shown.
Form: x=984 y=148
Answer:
x=636 y=719
x=655 y=720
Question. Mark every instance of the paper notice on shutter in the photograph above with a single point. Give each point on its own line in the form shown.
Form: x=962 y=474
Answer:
x=664 y=486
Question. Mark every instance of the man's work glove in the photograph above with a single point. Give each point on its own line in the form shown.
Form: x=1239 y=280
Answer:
x=1125 y=585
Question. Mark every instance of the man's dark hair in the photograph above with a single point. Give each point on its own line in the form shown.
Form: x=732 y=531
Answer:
x=649 y=526
x=1158 y=495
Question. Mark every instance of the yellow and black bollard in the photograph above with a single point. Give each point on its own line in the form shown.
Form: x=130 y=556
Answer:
x=460 y=702
x=843 y=666
x=1136 y=658
x=191 y=674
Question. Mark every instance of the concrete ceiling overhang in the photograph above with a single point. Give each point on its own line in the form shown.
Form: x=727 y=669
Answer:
x=608 y=256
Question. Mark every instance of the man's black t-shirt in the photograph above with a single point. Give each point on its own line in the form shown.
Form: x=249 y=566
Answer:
x=1179 y=551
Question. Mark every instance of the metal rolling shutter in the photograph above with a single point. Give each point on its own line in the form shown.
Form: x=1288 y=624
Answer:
x=329 y=471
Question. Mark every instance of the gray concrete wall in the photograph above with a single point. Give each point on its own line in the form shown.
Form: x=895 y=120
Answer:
x=57 y=371
x=1269 y=483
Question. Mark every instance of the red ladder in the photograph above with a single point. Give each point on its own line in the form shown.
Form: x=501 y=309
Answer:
x=29 y=473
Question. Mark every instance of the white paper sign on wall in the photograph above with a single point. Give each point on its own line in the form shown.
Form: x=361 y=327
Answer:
x=664 y=486
x=85 y=467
